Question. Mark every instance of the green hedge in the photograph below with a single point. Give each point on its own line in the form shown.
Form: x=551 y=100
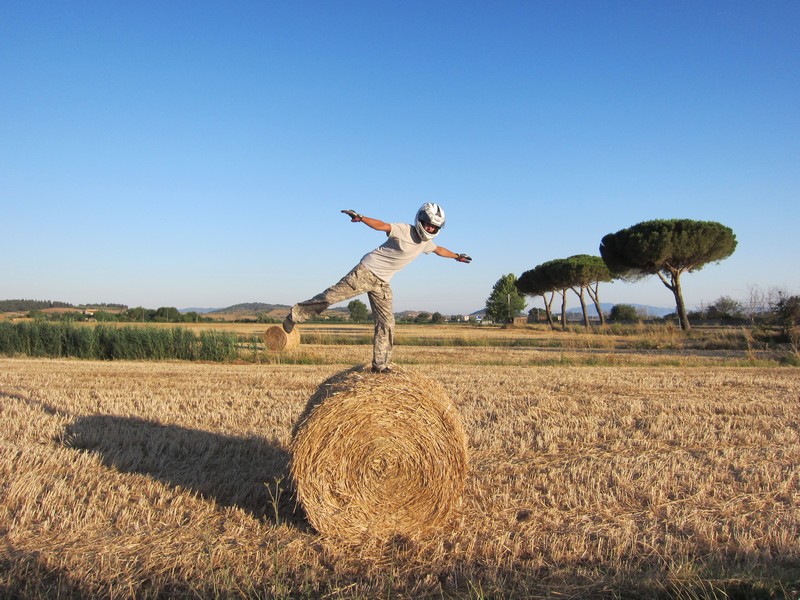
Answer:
x=54 y=340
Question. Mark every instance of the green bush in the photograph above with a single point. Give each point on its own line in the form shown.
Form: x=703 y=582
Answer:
x=623 y=313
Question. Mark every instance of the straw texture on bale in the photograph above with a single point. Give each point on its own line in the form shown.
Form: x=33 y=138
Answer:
x=379 y=454
x=277 y=340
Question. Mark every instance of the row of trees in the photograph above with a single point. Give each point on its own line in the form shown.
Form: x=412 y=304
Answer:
x=23 y=305
x=581 y=273
x=666 y=248
x=164 y=314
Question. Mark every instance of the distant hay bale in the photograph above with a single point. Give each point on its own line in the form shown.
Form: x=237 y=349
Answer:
x=277 y=340
x=379 y=454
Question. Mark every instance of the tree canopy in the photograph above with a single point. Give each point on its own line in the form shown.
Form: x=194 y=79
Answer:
x=585 y=273
x=505 y=300
x=667 y=248
x=547 y=278
x=536 y=282
x=358 y=311
x=579 y=273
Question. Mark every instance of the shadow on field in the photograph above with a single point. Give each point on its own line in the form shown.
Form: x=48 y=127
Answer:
x=248 y=473
x=24 y=575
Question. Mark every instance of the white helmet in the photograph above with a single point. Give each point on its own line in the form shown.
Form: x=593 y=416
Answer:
x=432 y=214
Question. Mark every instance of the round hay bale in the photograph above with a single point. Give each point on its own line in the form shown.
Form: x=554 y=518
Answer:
x=379 y=454
x=277 y=340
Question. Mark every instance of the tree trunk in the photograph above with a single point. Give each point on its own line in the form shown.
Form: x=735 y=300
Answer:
x=594 y=294
x=676 y=289
x=548 y=313
x=674 y=285
x=563 y=309
x=548 y=309
x=582 y=298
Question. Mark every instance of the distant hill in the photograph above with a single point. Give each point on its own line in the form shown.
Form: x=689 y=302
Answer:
x=255 y=310
x=249 y=307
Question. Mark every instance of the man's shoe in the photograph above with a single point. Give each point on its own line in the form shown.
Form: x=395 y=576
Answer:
x=382 y=370
x=288 y=324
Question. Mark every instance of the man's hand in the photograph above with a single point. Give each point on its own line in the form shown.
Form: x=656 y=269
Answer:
x=464 y=258
x=354 y=216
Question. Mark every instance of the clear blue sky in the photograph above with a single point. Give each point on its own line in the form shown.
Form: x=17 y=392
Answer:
x=198 y=153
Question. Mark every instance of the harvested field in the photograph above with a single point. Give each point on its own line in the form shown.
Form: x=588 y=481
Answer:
x=144 y=479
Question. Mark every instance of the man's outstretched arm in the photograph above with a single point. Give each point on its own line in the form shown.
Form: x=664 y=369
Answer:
x=445 y=253
x=376 y=224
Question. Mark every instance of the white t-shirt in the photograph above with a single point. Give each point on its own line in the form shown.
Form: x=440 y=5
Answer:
x=403 y=246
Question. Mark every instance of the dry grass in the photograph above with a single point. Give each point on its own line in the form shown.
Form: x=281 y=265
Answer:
x=499 y=356
x=169 y=480
x=657 y=345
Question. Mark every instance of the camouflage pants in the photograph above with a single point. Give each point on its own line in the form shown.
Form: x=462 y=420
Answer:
x=356 y=282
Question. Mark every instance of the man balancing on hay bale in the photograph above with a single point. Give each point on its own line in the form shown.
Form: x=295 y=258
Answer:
x=372 y=275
